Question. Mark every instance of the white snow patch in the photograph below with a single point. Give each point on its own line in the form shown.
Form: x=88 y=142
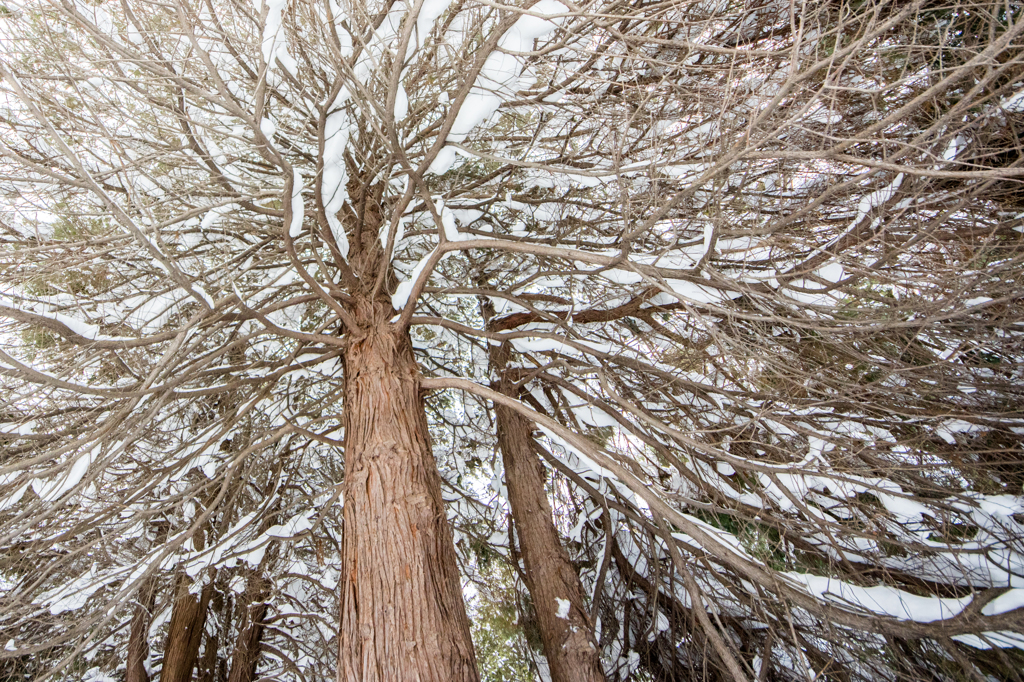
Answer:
x=297 y=524
x=499 y=78
x=74 y=595
x=298 y=209
x=881 y=599
x=89 y=331
x=1014 y=103
x=268 y=128
x=949 y=427
x=1009 y=601
x=1004 y=639
x=214 y=215
x=876 y=199
x=955 y=146
x=400 y=298
x=543 y=345
x=694 y=293
x=52 y=490
x=337 y=130
x=12 y=500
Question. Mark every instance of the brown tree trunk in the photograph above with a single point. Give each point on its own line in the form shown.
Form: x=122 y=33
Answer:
x=208 y=664
x=138 y=639
x=565 y=629
x=185 y=633
x=250 y=629
x=403 y=618
x=211 y=663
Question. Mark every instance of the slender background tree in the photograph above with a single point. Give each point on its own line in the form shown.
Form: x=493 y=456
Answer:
x=674 y=340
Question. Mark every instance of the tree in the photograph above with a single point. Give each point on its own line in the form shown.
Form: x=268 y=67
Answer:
x=280 y=281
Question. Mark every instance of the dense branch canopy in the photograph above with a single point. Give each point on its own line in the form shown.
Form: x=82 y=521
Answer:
x=758 y=266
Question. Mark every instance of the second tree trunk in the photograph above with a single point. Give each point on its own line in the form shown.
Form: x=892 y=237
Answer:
x=565 y=629
x=185 y=632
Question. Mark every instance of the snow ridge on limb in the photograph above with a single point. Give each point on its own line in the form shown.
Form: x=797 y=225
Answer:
x=859 y=606
x=499 y=78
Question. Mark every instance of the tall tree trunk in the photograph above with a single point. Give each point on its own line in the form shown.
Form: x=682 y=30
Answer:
x=403 y=618
x=185 y=632
x=208 y=663
x=138 y=639
x=211 y=662
x=250 y=629
x=565 y=629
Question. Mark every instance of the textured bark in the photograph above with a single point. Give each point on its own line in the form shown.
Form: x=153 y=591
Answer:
x=185 y=633
x=402 y=612
x=250 y=629
x=138 y=639
x=569 y=642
